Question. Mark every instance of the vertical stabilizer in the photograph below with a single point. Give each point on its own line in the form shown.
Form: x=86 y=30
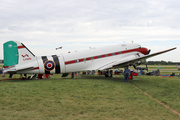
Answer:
x=16 y=53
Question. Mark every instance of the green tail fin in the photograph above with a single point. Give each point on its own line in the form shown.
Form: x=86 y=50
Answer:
x=10 y=53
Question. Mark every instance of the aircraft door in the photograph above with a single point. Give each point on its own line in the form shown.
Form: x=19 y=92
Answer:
x=62 y=64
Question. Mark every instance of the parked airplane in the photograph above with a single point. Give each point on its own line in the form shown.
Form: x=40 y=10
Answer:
x=19 y=59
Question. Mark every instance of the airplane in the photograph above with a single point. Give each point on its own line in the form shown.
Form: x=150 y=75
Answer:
x=18 y=59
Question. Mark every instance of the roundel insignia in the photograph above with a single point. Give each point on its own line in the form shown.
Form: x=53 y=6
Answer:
x=49 y=65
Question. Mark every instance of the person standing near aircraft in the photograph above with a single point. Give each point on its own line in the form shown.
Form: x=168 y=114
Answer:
x=126 y=74
x=72 y=75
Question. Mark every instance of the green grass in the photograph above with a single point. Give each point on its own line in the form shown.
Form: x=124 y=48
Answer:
x=166 y=69
x=164 y=89
x=89 y=97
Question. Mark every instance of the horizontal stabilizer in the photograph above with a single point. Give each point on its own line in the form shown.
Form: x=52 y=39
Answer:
x=15 y=69
x=24 y=68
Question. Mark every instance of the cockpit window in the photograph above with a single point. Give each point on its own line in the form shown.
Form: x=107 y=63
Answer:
x=139 y=46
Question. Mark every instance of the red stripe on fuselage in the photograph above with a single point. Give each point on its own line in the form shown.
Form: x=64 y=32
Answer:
x=80 y=60
x=116 y=53
x=110 y=54
x=102 y=56
x=35 y=68
x=141 y=50
x=19 y=47
x=70 y=62
x=95 y=57
x=88 y=58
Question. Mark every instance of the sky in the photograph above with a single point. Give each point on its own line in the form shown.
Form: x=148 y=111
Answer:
x=43 y=25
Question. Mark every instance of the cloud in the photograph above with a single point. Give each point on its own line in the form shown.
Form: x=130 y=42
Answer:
x=45 y=24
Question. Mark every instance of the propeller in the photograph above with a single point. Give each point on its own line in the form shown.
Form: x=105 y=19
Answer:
x=148 y=52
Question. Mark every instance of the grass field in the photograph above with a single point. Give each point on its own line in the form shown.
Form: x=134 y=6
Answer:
x=166 y=69
x=90 y=97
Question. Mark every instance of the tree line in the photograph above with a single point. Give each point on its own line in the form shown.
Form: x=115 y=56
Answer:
x=162 y=63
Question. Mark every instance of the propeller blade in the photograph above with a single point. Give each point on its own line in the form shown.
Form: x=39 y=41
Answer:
x=148 y=52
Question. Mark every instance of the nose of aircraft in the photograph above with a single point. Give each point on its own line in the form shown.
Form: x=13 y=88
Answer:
x=145 y=51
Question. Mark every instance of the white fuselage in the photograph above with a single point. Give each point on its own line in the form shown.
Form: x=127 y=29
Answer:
x=19 y=59
x=91 y=59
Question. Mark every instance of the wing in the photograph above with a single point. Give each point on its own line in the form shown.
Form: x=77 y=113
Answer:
x=131 y=60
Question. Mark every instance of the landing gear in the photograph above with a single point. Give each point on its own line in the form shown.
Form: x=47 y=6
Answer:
x=108 y=73
x=141 y=68
x=32 y=76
